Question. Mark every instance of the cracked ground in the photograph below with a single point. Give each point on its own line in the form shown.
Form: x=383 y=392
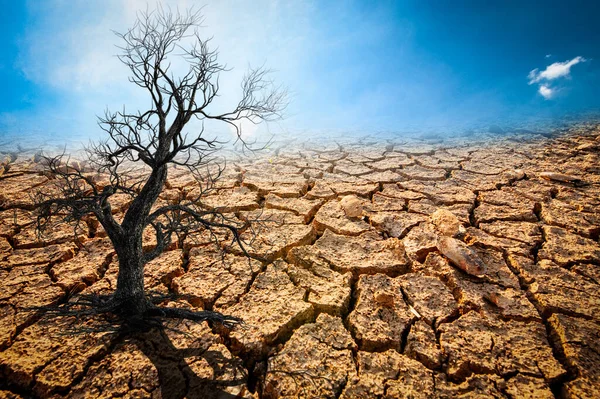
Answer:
x=462 y=268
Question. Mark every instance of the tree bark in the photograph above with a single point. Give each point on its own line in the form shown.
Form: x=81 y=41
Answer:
x=130 y=295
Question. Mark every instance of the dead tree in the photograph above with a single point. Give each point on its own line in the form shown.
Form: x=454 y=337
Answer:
x=155 y=139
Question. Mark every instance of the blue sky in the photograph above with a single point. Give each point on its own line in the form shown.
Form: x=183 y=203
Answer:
x=362 y=66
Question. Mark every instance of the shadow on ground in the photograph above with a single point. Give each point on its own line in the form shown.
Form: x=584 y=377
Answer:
x=176 y=377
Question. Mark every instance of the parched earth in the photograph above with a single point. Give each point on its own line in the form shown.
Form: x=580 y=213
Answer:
x=395 y=270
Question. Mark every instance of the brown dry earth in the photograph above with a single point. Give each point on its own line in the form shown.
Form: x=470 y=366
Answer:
x=397 y=270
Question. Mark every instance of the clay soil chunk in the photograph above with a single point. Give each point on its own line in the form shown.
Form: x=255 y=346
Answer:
x=559 y=290
x=41 y=358
x=537 y=191
x=45 y=255
x=232 y=200
x=332 y=216
x=488 y=213
x=11 y=220
x=17 y=191
x=55 y=234
x=525 y=232
x=478 y=345
x=446 y=223
x=420 y=241
x=380 y=316
x=447 y=192
x=28 y=286
x=522 y=386
x=421 y=345
x=394 y=191
x=476 y=386
x=479 y=182
x=391 y=163
x=213 y=280
x=396 y=224
x=557 y=214
x=8 y=328
x=86 y=267
x=272 y=238
x=389 y=375
x=188 y=362
x=510 y=302
x=367 y=253
x=579 y=340
x=567 y=248
x=283 y=185
x=300 y=206
x=328 y=290
x=273 y=307
x=322 y=352
x=416 y=172
x=434 y=162
x=384 y=203
x=125 y=371
x=351 y=168
x=321 y=190
x=428 y=207
x=481 y=168
x=429 y=297
x=383 y=177
x=160 y=272
x=359 y=186
x=478 y=237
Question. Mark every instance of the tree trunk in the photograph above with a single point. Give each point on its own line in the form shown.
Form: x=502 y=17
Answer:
x=130 y=283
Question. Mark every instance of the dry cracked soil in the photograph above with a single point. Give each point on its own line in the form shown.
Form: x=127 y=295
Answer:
x=397 y=269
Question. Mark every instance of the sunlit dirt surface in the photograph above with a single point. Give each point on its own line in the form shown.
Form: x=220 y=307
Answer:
x=396 y=269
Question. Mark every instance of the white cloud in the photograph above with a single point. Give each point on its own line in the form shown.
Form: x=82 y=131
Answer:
x=551 y=73
x=554 y=71
x=532 y=75
x=548 y=55
x=546 y=91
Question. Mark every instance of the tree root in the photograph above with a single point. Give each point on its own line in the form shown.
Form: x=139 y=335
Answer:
x=203 y=315
x=115 y=315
